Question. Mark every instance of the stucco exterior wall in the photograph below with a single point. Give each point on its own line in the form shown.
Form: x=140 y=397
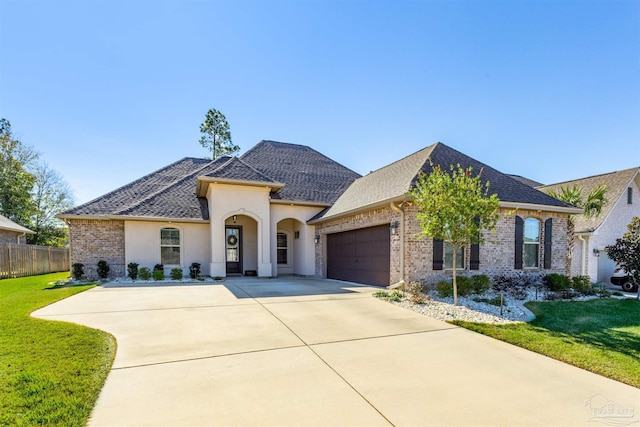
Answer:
x=613 y=226
x=228 y=200
x=292 y=220
x=142 y=245
x=93 y=240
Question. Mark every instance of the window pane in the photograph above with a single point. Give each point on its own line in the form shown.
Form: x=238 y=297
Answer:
x=282 y=240
x=170 y=255
x=170 y=236
x=532 y=230
x=531 y=255
x=232 y=255
x=282 y=256
x=448 y=257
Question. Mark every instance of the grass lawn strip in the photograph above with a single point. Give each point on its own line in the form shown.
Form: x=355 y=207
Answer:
x=600 y=335
x=50 y=372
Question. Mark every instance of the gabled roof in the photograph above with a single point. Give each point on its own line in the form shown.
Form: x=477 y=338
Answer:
x=617 y=183
x=392 y=182
x=307 y=175
x=7 y=224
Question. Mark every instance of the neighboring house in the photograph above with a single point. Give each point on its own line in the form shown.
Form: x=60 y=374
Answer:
x=593 y=234
x=10 y=232
x=287 y=209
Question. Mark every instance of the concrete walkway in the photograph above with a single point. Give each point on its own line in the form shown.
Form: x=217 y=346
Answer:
x=305 y=352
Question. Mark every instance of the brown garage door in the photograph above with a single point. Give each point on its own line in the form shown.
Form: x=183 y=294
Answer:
x=360 y=256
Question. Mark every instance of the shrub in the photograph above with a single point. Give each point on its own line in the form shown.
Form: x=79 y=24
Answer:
x=103 y=269
x=176 y=274
x=481 y=283
x=582 y=284
x=77 y=270
x=144 y=273
x=132 y=270
x=158 y=274
x=416 y=290
x=465 y=286
x=158 y=267
x=394 y=295
x=516 y=285
x=556 y=282
x=194 y=270
x=444 y=288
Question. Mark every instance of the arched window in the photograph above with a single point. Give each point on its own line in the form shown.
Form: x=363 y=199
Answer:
x=531 y=243
x=170 y=246
x=283 y=248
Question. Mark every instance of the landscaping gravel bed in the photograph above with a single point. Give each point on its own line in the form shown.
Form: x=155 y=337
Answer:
x=468 y=310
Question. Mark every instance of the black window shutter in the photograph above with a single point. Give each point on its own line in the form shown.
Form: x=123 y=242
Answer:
x=438 y=254
x=548 y=238
x=519 y=243
x=474 y=261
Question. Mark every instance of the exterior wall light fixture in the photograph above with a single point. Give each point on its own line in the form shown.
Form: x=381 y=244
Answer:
x=316 y=239
x=394 y=227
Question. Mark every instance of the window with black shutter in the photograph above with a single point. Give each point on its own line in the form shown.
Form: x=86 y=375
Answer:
x=519 y=243
x=438 y=254
x=548 y=238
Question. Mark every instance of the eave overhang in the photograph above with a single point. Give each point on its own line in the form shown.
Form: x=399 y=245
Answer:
x=132 y=218
x=204 y=181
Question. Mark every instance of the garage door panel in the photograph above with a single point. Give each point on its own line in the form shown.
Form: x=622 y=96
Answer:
x=360 y=256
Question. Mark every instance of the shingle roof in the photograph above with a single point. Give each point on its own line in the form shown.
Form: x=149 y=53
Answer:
x=236 y=169
x=166 y=193
x=7 y=224
x=617 y=183
x=170 y=192
x=307 y=174
x=394 y=181
x=526 y=181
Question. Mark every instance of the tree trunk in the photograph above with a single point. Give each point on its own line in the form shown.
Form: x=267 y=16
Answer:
x=455 y=285
x=570 y=245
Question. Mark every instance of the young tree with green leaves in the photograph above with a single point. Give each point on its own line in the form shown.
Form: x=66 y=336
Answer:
x=454 y=207
x=626 y=251
x=591 y=206
x=216 y=135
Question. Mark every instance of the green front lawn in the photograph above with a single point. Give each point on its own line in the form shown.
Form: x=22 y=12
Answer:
x=600 y=335
x=50 y=372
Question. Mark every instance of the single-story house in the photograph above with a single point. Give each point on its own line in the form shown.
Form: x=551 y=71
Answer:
x=11 y=232
x=593 y=234
x=286 y=209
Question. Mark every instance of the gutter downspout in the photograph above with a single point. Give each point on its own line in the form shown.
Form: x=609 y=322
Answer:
x=583 y=267
x=22 y=235
x=396 y=208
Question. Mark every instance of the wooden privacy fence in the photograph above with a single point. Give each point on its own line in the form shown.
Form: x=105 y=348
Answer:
x=30 y=260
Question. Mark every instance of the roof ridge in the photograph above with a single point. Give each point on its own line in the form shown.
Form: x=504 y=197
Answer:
x=636 y=168
x=429 y=147
x=161 y=190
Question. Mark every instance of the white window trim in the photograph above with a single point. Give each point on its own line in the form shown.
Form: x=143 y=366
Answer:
x=160 y=245
x=525 y=244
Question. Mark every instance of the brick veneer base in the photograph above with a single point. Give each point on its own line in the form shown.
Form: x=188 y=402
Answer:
x=93 y=240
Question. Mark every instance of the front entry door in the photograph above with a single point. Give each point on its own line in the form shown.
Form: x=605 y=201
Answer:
x=233 y=242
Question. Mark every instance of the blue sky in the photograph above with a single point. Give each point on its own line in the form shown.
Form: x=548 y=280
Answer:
x=108 y=91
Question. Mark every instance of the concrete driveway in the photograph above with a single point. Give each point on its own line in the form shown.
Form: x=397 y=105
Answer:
x=298 y=352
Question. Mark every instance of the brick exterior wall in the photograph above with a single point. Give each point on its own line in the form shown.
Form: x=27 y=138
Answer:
x=496 y=254
x=12 y=237
x=93 y=240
